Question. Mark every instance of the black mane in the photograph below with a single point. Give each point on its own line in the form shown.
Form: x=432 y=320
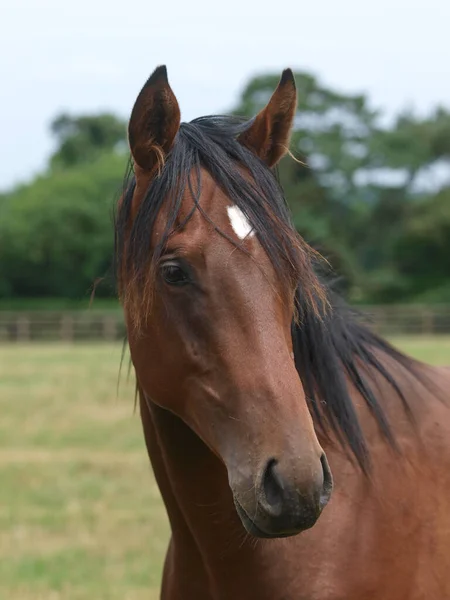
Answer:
x=330 y=343
x=333 y=348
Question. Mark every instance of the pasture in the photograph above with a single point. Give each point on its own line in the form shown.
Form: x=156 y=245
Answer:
x=80 y=514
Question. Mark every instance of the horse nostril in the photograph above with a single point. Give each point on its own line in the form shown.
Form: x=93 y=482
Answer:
x=273 y=486
x=327 y=487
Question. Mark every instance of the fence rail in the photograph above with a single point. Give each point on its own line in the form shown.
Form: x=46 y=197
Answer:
x=60 y=326
x=109 y=326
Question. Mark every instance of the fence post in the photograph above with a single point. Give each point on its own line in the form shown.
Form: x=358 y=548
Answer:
x=67 y=328
x=427 y=322
x=109 y=328
x=23 y=328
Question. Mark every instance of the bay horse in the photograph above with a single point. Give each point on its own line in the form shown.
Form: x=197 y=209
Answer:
x=256 y=383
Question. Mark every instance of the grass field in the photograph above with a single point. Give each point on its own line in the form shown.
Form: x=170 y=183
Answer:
x=80 y=514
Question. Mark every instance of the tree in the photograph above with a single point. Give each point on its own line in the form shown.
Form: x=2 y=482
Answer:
x=82 y=139
x=56 y=234
x=354 y=197
x=332 y=131
x=412 y=150
x=373 y=200
x=422 y=251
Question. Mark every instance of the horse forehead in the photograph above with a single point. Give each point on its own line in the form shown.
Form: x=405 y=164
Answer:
x=201 y=225
x=221 y=210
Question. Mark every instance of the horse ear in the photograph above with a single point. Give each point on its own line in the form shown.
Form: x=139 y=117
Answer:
x=154 y=121
x=269 y=135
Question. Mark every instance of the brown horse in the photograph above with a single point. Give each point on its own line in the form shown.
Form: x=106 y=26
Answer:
x=255 y=382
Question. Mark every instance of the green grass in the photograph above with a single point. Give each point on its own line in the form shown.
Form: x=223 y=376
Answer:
x=80 y=514
x=434 y=350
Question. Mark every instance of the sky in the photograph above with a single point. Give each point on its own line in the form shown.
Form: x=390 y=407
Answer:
x=92 y=55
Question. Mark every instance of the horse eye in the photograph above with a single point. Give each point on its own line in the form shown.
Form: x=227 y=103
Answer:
x=174 y=274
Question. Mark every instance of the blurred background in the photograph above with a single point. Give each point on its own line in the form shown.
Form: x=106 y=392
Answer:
x=80 y=515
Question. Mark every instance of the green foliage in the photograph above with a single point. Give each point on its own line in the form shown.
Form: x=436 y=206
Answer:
x=332 y=131
x=375 y=201
x=358 y=197
x=83 y=139
x=56 y=235
x=422 y=252
x=413 y=144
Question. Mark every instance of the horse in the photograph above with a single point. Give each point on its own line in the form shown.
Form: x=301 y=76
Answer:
x=299 y=455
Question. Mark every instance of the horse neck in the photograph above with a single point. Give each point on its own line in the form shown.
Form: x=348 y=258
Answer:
x=193 y=484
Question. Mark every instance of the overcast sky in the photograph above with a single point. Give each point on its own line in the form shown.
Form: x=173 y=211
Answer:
x=91 y=55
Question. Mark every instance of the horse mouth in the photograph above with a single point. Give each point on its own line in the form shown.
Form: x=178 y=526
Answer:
x=256 y=531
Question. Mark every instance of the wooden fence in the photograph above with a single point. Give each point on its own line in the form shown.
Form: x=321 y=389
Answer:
x=109 y=326
x=61 y=326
